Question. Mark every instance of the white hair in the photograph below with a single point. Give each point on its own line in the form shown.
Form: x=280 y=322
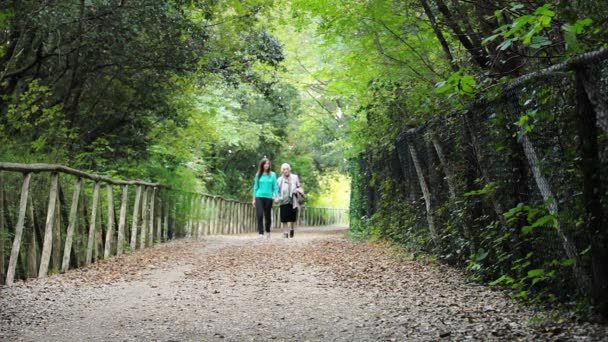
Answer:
x=285 y=166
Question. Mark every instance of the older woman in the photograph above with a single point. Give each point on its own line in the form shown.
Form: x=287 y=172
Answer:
x=289 y=189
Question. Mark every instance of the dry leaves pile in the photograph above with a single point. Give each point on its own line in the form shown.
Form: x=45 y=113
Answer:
x=317 y=286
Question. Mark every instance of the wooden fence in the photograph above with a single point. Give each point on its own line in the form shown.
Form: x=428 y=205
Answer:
x=92 y=229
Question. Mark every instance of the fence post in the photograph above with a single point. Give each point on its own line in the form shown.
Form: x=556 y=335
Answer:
x=188 y=202
x=593 y=189
x=56 y=245
x=206 y=215
x=144 y=219
x=232 y=217
x=166 y=209
x=122 y=221
x=12 y=264
x=201 y=216
x=135 y=222
x=425 y=190
x=221 y=216
x=159 y=217
x=173 y=227
x=48 y=230
x=150 y=238
x=110 y=230
x=71 y=225
x=32 y=254
x=2 y=228
x=242 y=219
x=92 y=224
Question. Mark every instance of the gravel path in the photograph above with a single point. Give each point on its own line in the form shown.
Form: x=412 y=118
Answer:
x=316 y=287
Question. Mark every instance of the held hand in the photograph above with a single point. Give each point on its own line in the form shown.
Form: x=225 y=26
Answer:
x=253 y=203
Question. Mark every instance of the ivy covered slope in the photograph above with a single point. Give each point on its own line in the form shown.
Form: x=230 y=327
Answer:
x=392 y=66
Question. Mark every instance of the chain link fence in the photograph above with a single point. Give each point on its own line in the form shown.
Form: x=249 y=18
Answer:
x=508 y=188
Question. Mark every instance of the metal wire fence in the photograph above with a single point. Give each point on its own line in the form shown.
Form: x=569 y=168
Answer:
x=508 y=188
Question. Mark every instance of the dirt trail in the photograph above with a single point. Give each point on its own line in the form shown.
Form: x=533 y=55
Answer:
x=316 y=287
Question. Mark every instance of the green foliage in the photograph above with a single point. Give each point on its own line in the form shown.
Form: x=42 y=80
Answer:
x=458 y=83
x=571 y=31
x=524 y=28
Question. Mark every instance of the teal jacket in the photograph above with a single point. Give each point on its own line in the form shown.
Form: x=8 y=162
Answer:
x=265 y=186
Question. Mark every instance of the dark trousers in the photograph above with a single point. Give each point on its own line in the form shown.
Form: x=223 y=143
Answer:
x=262 y=209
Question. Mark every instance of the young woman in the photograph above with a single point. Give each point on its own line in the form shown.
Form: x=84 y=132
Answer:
x=290 y=189
x=264 y=192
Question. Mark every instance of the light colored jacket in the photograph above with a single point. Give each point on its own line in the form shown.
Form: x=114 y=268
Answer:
x=296 y=192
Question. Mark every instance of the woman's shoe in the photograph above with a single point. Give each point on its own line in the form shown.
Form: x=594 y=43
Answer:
x=291 y=232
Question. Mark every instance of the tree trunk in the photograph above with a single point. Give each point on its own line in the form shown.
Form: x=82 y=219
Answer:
x=444 y=44
x=476 y=52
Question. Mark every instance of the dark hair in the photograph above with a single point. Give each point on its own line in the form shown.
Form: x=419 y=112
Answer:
x=261 y=167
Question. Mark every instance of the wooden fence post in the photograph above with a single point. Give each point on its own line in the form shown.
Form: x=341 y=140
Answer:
x=71 y=225
x=122 y=221
x=202 y=217
x=206 y=215
x=166 y=207
x=144 y=219
x=2 y=228
x=56 y=245
x=159 y=217
x=425 y=191
x=241 y=218
x=135 y=223
x=252 y=228
x=174 y=234
x=231 y=207
x=188 y=213
x=48 y=230
x=32 y=253
x=198 y=215
x=92 y=224
x=216 y=215
x=150 y=238
x=107 y=252
x=12 y=264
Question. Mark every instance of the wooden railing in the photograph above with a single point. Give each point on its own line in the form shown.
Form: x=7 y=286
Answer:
x=91 y=231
